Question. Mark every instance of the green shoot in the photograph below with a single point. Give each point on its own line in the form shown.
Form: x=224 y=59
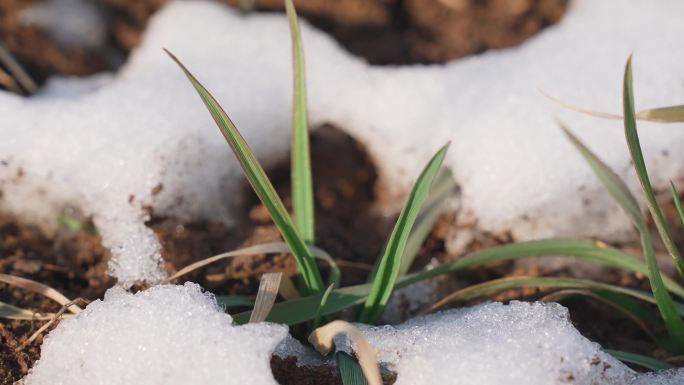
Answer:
x=642 y=173
x=305 y=308
x=234 y=300
x=302 y=184
x=350 y=370
x=261 y=185
x=624 y=198
x=677 y=202
x=323 y=339
x=638 y=359
x=387 y=268
x=625 y=305
x=324 y=301
x=517 y=282
x=440 y=191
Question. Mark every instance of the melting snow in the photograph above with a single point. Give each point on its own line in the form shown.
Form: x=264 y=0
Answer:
x=178 y=335
x=164 y=335
x=105 y=145
x=496 y=344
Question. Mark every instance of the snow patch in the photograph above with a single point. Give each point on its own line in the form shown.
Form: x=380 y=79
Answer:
x=143 y=139
x=163 y=335
x=70 y=22
x=493 y=344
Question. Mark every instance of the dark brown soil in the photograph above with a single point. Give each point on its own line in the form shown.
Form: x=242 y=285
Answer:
x=381 y=31
x=286 y=372
x=74 y=263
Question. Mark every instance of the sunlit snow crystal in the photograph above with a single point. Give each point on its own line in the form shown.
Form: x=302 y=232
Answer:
x=106 y=149
x=496 y=344
x=164 y=335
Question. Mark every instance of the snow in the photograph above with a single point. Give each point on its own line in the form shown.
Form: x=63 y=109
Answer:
x=493 y=344
x=104 y=145
x=178 y=335
x=70 y=22
x=164 y=335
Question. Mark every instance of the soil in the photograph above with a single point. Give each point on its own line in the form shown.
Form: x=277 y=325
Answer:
x=74 y=263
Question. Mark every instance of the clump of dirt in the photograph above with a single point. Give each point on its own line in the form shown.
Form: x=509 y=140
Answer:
x=74 y=263
x=286 y=372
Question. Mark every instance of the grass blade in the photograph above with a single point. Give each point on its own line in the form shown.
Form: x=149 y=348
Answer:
x=39 y=288
x=638 y=359
x=670 y=114
x=617 y=302
x=305 y=308
x=8 y=311
x=17 y=71
x=610 y=180
x=287 y=289
x=261 y=185
x=640 y=167
x=440 y=192
x=266 y=296
x=234 y=300
x=587 y=251
x=324 y=301
x=302 y=182
x=389 y=264
x=626 y=200
x=350 y=370
x=323 y=339
x=677 y=202
x=263 y=248
x=507 y=283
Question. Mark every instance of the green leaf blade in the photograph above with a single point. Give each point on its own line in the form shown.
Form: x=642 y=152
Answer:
x=302 y=180
x=518 y=282
x=638 y=359
x=350 y=370
x=261 y=184
x=306 y=308
x=389 y=265
x=677 y=202
x=441 y=190
x=673 y=322
x=640 y=166
x=624 y=198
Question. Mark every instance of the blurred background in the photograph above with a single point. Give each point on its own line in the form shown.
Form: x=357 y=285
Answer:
x=82 y=37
